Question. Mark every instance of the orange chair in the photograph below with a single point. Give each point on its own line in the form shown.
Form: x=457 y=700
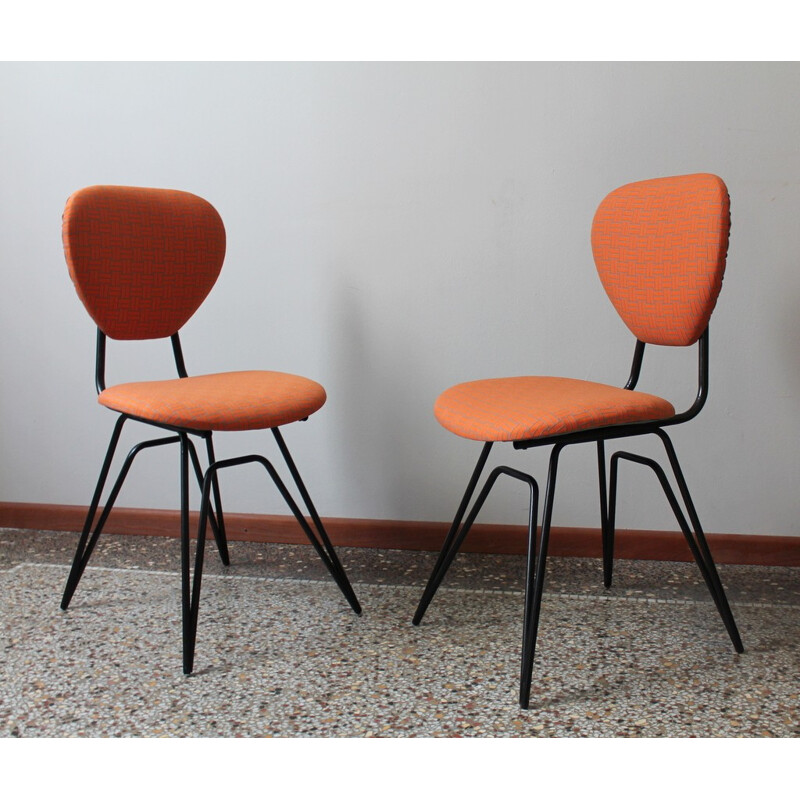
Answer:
x=660 y=248
x=142 y=261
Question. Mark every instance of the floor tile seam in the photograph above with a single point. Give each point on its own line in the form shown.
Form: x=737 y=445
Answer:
x=674 y=601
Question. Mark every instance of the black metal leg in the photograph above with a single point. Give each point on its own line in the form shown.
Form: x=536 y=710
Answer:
x=705 y=561
x=607 y=528
x=206 y=513
x=89 y=538
x=217 y=526
x=437 y=577
x=188 y=654
x=534 y=584
x=190 y=589
x=332 y=561
x=448 y=551
x=209 y=483
x=337 y=573
x=528 y=624
x=85 y=545
x=536 y=555
x=692 y=533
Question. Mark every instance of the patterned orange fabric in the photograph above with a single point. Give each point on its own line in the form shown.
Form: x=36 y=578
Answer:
x=516 y=409
x=142 y=260
x=660 y=248
x=228 y=401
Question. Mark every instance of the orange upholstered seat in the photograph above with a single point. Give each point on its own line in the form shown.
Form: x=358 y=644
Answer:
x=514 y=409
x=227 y=401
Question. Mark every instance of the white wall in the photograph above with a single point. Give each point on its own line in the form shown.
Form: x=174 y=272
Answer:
x=393 y=229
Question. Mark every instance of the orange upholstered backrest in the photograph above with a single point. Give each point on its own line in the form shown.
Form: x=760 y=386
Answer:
x=660 y=249
x=142 y=260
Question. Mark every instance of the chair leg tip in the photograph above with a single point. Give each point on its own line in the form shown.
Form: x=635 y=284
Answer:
x=352 y=601
x=188 y=662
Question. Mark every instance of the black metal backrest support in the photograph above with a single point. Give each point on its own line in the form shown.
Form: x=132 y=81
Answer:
x=100 y=363
x=100 y=360
x=636 y=366
x=702 y=383
x=702 y=378
x=177 y=351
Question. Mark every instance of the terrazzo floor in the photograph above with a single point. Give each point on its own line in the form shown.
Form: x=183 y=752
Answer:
x=280 y=653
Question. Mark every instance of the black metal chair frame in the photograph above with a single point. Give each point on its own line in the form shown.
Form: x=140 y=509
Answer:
x=210 y=512
x=537 y=544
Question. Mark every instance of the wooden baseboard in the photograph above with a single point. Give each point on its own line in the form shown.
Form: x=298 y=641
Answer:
x=410 y=535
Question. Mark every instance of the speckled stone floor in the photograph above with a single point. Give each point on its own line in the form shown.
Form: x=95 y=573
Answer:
x=280 y=653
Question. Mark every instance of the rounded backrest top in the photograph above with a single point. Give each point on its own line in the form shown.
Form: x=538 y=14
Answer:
x=660 y=247
x=142 y=260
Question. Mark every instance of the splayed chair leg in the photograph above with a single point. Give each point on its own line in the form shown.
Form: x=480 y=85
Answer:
x=606 y=524
x=448 y=551
x=190 y=584
x=218 y=521
x=85 y=543
x=534 y=582
x=89 y=537
x=700 y=549
x=215 y=518
x=537 y=556
x=321 y=540
x=693 y=533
